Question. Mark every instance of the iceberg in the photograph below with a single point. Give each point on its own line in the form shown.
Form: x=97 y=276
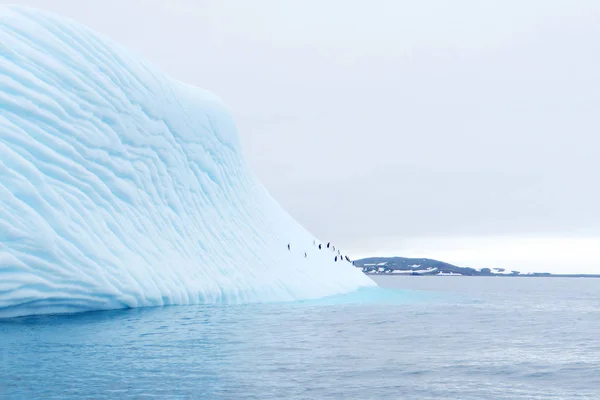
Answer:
x=122 y=187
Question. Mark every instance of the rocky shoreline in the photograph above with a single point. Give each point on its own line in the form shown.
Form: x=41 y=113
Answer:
x=399 y=266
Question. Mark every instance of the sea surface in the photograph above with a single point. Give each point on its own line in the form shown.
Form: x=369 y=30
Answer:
x=416 y=338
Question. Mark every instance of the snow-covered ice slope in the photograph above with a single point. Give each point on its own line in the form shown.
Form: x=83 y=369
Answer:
x=121 y=187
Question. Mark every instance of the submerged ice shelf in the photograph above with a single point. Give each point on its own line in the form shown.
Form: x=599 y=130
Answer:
x=122 y=187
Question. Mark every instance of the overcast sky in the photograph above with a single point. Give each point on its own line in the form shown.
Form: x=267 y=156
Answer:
x=462 y=130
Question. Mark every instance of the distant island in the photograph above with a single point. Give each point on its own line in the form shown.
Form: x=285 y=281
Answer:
x=426 y=266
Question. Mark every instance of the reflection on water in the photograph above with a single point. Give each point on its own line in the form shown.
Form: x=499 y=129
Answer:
x=417 y=337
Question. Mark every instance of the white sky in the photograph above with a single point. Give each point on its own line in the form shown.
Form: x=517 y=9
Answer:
x=460 y=130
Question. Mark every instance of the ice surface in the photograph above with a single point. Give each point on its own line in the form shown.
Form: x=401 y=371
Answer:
x=121 y=187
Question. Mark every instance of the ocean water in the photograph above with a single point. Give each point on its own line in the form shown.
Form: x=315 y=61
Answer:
x=416 y=338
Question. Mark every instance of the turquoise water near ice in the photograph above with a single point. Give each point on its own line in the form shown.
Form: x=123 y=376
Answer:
x=417 y=338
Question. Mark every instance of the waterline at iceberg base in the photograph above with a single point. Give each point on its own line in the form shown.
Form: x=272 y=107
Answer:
x=122 y=187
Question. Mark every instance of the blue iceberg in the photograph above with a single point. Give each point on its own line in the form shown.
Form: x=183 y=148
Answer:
x=122 y=187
